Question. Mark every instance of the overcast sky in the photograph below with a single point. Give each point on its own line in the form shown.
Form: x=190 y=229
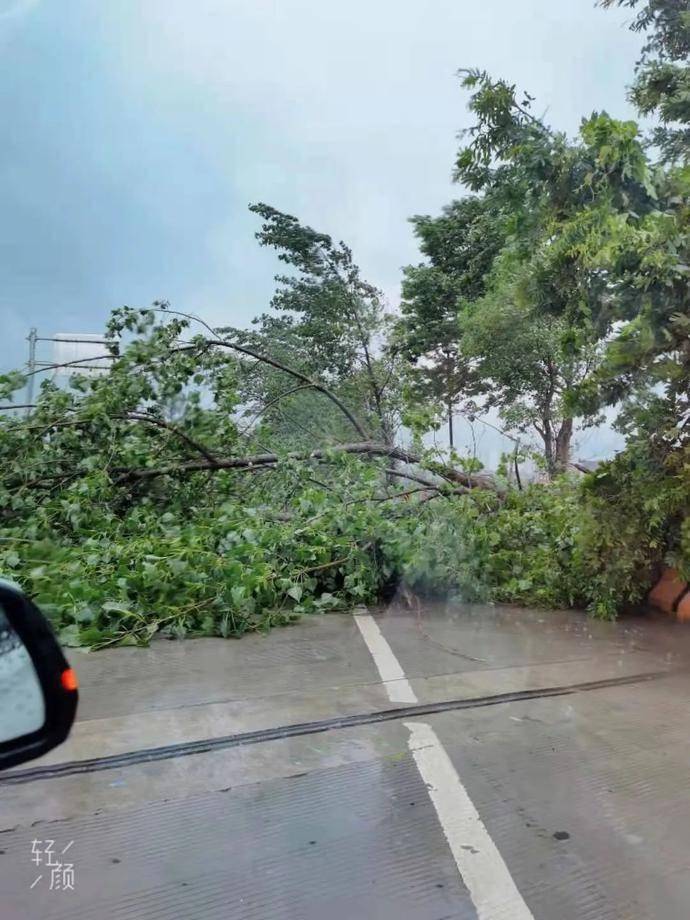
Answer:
x=137 y=131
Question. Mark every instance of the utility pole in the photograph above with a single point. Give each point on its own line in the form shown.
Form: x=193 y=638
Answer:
x=32 y=338
x=34 y=365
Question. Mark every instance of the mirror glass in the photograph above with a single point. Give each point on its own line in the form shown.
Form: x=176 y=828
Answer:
x=22 y=707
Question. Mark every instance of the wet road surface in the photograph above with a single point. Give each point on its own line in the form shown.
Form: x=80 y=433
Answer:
x=541 y=769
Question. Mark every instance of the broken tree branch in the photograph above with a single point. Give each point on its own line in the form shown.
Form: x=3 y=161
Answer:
x=298 y=375
x=161 y=423
x=274 y=402
x=412 y=477
x=273 y=362
x=368 y=448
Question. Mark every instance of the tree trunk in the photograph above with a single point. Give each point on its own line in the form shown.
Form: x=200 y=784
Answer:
x=547 y=436
x=518 y=480
x=563 y=439
x=450 y=423
x=556 y=449
x=366 y=448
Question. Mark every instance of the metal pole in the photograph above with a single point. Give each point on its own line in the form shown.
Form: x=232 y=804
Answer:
x=33 y=335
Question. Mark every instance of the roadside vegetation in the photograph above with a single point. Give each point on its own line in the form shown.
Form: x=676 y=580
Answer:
x=219 y=480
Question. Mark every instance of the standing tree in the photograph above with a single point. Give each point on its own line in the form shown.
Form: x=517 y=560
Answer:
x=330 y=321
x=539 y=332
x=527 y=370
x=460 y=246
x=662 y=84
x=649 y=254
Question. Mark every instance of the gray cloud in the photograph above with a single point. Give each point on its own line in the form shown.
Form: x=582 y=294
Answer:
x=136 y=134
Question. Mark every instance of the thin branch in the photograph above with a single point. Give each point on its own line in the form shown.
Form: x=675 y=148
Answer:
x=388 y=498
x=161 y=423
x=412 y=477
x=77 y=361
x=320 y=568
x=273 y=402
x=388 y=377
x=502 y=431
x=278 y=365
x=428 y=498
x=290 y=419
x=132 y=416
x=80 y=361
x=517 y=466
x=320 y=482
x=192 y=316
x=298 y=375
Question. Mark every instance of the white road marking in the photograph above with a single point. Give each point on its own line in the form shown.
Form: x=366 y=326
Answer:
x=490 y=884
x=397 y=685
x=485 y=874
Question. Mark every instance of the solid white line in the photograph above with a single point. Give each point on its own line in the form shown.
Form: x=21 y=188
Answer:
x=397 y=685
x=485 y=874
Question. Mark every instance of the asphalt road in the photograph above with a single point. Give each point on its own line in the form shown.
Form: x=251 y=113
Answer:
x=441 y=762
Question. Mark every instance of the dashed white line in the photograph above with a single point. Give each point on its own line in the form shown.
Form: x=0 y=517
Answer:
x=490 y=884
x=397 y=685
x=485 y=874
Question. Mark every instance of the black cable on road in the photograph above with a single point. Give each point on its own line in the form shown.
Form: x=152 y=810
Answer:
x=185 y=748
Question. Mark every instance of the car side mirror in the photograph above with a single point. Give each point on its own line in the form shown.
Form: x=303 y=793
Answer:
x=38 y=689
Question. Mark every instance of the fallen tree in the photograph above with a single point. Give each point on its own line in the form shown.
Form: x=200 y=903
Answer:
x=148 y=500
x=364 y=448
x=123 y=515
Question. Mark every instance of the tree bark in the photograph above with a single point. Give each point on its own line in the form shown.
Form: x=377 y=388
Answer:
x=368 y=448
x=547 y=436
x=563 y=439
x=556 y=448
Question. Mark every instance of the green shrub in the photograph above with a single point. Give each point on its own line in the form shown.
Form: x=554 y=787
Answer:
x=518 y=550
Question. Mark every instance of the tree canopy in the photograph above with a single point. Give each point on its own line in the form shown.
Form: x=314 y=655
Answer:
x=216 y=480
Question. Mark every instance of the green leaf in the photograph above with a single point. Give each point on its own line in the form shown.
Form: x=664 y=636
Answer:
x=69 y=636
x=238 y=592
x=295 y=592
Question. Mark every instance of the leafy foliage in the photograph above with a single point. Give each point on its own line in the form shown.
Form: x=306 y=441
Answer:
x=516 y=550
x=460 y=246
x=215 y=481
x=331 y=323
x=662 y=84
x=137 y=501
